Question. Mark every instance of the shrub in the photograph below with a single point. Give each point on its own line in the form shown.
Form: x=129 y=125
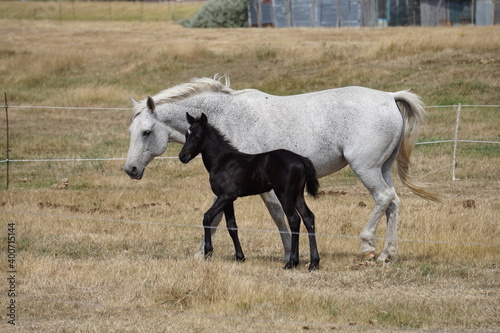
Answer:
x=220 y=14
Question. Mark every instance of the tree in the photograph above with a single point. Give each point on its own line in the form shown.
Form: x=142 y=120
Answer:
x=220 y=14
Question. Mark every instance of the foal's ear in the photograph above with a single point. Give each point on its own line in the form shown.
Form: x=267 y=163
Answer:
x=203 y=119
x=151 y=105
x=190 y=119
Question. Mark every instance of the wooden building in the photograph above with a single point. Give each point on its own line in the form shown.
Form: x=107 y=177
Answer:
x=372 y=13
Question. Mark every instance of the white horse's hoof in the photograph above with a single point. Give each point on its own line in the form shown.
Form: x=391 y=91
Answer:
x=369 y=256
x=385 y=259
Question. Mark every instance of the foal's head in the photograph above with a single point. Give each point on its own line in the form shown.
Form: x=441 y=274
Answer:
x=195 y=137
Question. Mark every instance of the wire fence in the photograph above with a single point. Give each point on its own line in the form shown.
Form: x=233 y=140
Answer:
x=456 y=140
x=305 y=325
x=7 y=160
x=267 y=231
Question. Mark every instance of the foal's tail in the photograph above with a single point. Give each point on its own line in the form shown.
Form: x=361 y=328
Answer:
x=312 y=184
x=412 y=110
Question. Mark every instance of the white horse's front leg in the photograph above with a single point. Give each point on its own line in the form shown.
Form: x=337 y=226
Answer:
x=276 y=211
x=215 y=225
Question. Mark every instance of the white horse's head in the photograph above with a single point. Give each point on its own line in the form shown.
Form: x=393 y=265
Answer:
x=149 y=138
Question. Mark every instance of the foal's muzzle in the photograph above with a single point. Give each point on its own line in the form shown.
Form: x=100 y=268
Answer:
x=184 y=158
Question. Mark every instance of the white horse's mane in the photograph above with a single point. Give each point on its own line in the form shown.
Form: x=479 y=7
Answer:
x=185 y=90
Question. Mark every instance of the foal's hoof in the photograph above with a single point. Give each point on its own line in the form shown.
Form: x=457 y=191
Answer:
x=208 y=255
x=290 y=265
x=313 y=266
x=240 y=259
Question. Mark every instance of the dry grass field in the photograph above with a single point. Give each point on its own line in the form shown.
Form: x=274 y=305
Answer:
x=108 y=254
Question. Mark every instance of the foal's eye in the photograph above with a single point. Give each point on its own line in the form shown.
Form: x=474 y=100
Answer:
x=146 y=133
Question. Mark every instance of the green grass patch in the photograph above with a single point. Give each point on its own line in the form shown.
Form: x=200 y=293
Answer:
x=473 y=150
x=401 y=316
x=98 y=10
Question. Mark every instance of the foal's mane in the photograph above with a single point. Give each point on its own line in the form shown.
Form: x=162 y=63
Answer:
x=221 y=137
x=185 y=90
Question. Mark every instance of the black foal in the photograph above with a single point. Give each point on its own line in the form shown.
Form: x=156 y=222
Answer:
x=234 y=174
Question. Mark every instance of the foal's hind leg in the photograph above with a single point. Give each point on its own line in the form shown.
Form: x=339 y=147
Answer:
x=294 y=222
x=308 y=219
x=233 y=231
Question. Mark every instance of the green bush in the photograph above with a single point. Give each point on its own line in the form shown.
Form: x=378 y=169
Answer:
x=220 y=14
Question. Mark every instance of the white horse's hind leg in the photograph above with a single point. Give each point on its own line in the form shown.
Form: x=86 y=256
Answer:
x=374 y=170
x=391 y=237
x=276 y=211
x=383 y=195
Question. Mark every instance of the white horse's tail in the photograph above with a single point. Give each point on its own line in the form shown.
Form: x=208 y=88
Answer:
x=412 y=110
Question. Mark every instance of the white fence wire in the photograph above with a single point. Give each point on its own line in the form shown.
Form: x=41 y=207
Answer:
x=75 y=108
x=180 y=225
x=455 y=141
x=167 y=224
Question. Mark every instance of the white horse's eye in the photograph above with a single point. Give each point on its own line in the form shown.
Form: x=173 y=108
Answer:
x=146 y=133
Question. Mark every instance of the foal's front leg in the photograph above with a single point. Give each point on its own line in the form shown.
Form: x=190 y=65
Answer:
x=215 y=224
x=233 y=231
x=216 y=208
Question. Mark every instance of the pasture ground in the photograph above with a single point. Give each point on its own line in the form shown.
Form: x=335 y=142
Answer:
x=108 y=254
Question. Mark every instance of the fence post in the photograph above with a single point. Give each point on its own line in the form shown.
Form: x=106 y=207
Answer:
x=456 y=140
x=7 y=141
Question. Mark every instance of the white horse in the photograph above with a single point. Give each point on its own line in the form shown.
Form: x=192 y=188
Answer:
x=360 y=127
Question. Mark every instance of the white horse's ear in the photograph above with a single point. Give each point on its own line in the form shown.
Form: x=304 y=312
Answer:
x=151 y=104
x=134 y=102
